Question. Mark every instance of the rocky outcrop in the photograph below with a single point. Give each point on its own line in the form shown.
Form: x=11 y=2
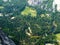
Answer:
x=5 y=40
x=34 y=2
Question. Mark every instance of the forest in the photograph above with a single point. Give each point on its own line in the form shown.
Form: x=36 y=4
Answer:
x=29 y=22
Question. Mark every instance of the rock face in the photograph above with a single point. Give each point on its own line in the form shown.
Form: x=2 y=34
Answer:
x=43 y=4
x=57 y=2
x=34 y=2
x=4 y=40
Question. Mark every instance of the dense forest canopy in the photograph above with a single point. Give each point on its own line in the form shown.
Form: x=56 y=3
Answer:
x=30 y=22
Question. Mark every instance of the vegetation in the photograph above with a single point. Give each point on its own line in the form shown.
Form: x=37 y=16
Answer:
x=58 y=36
x=30 y=25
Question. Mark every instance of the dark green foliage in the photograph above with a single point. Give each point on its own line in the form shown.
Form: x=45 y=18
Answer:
x=44 y=26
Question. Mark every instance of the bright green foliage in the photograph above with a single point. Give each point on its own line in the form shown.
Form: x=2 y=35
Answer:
x=58 y=36
x=1 y=7
x=29 y=11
